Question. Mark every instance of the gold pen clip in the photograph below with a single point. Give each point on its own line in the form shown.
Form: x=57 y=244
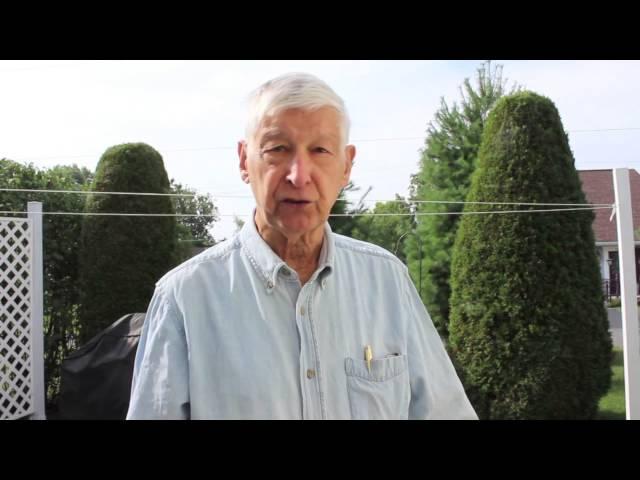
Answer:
x=368 y=355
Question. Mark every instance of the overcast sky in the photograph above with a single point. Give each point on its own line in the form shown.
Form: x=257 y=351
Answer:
x=192 y=112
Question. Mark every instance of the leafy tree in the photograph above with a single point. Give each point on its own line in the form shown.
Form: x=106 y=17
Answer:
x=344 y=225
x=239 y=223
x=61 y=241
x=194 y=233
x=389 y=227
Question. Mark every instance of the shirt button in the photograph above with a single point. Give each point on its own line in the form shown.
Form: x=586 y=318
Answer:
x=311 y=373
x=302 y=310
x=323 y=283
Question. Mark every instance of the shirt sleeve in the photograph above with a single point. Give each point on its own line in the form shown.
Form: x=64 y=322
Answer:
x=436 y=390
x=160 y=385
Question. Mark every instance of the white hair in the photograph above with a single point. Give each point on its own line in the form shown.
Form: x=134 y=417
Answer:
x=293 y=90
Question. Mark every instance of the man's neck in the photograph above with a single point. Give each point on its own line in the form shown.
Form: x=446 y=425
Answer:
x=300 y=252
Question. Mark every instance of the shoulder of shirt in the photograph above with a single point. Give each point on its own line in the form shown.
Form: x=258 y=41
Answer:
x=376 y=252
x=215 y=254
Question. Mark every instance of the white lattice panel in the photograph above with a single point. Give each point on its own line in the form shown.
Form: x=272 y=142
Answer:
x=16 y=396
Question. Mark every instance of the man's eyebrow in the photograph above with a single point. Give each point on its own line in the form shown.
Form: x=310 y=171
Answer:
x=270 y=135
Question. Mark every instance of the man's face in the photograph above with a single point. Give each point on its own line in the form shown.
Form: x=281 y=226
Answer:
x=296 y=164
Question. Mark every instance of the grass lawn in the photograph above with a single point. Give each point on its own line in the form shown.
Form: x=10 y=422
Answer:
x=612 y=404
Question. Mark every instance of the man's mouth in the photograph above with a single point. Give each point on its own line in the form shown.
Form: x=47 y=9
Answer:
x=292 y=201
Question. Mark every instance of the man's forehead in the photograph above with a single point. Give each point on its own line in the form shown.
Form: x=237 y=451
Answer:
x=275 y=132
x=323 y=121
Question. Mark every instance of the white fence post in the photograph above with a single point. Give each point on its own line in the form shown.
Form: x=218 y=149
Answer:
x=37 y=333
x=628 y=292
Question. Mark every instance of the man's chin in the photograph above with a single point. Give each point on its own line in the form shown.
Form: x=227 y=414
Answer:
x=296 y=226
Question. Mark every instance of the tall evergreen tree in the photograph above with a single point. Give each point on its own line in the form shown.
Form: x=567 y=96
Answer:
x=123 y=256
x=529 y=331
x=447 y=162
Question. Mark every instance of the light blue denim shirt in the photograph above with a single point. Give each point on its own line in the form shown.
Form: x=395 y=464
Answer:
x=232 y=334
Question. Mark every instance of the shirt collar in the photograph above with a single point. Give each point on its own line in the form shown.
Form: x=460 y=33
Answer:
x=267 y=264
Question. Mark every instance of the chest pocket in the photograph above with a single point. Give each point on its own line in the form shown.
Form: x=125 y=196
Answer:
x=382 y=393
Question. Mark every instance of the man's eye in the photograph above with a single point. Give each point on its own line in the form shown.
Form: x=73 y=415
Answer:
x=321 y=150
x=277 y=149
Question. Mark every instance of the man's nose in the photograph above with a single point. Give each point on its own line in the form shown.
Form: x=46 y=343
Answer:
x=299 y=170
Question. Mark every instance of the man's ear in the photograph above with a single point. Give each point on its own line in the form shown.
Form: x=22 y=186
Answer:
x=242 y=155
x=350 y=153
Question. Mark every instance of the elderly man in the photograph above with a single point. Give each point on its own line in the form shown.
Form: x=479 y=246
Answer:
x=288 y=320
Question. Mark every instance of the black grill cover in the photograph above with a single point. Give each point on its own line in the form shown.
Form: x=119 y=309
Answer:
x=95 y=380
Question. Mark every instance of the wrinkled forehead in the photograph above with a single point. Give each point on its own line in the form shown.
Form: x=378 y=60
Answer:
x=292 y=123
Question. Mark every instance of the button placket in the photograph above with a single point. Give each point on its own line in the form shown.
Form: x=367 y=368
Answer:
x=312 y=388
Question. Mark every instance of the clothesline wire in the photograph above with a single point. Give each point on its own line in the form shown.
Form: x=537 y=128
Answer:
x=407 y=201
x=415 y=214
